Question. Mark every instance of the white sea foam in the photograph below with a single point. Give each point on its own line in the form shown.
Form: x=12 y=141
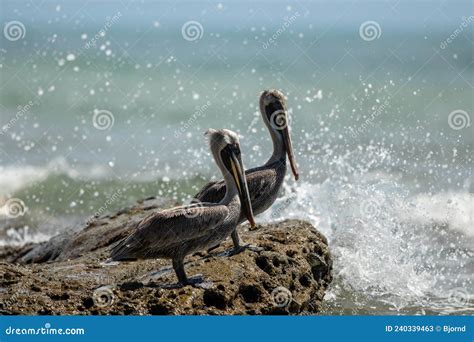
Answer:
x=453 y=209
x=398 y=248
x=14 y=178
x=370 y=224
x=19 y=237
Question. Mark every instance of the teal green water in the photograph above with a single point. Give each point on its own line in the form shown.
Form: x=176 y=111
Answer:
x=380 y=125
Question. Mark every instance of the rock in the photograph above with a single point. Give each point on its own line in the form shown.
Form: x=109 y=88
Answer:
x=70 y=275
x=95 y=234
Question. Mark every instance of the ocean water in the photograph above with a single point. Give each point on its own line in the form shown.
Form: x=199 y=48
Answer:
x=104 y=103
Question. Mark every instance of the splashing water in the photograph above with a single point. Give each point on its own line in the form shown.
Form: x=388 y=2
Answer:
x=385 y=174
x=392 y=251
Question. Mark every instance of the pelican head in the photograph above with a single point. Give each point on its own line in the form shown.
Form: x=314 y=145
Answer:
x=225 y=148
x=275 y=114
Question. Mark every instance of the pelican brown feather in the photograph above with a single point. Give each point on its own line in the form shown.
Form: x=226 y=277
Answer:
x=264 y=182
x=178 y=232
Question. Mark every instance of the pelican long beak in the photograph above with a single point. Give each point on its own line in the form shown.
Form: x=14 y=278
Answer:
x=238 y=174
x=289 y=151
x=275 y=109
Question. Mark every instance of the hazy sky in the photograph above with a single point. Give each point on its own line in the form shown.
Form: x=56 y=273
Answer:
x=402 y=14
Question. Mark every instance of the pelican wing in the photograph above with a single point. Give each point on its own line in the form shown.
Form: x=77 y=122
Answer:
x=169 y=227
x=261 y=184
x=212 y=192
x=260 y=181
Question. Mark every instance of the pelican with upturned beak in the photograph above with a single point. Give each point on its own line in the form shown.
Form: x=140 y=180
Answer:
x=178 y=232
x=264 y=182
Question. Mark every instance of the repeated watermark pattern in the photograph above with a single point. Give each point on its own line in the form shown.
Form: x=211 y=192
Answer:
x=194 y=209
x=192 y=120
x=103 y=119
x=286 y=24
x=14 y=207
x=102 y=32
x=370 y=30
x=370 y=120
x=11 y=300
x=14 y=30
x=276 y=213
x=458 y=296
x=465 y=22
x=21 y=111
x=192 y=30
x=103 y=296
x=459 y=119
x=281 y=297
x=370 y=208
x=115 y=196
x=279 y=120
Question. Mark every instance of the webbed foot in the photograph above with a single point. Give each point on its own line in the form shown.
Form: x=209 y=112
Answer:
x=241 y=248
x=198 y=281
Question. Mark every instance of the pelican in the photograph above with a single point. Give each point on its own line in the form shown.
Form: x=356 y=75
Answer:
x=264 y=182
x=177 y=232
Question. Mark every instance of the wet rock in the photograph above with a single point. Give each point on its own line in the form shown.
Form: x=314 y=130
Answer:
x=69 y=273
x=96 y=233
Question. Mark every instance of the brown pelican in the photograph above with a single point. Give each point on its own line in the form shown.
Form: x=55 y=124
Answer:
x=264 y=182
x=180 y=231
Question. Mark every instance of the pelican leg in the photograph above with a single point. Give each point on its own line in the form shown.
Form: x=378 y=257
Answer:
x=178 y=267
x=238 y=248
x=236 y=239
x=213 y=248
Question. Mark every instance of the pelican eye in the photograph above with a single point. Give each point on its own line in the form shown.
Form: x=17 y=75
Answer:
x=236 y=150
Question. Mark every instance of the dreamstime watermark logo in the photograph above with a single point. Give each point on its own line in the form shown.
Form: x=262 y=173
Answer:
x=344 y=194
x=115 y=196
x=46 y=330
x=370 y=30
x=465 y=22
x=14 y=30
x=458 y=297
x=370 y=208
x=101 y=33
x=370 y=120
x=103 y=119
x=276 y=213
x=11 y=300
x=459 y=119
x=22 y=111
x=194 y=209
x=14 y=207
x=103 y=296
x=280 y=31
x=281 y=297
x=192 y=120
x=192 y=30
x=279 y=120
